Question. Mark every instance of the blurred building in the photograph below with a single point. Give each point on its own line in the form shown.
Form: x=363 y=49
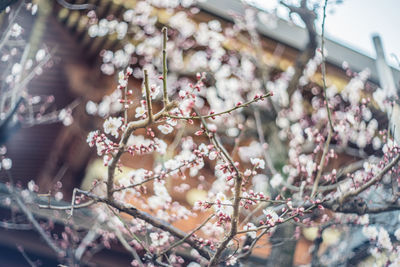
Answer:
x=52 y=152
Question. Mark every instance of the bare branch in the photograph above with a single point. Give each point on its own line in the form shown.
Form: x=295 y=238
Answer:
x=132 y=126
x=148 y=97
x=35 y=224
x=15 y=226
x=165 y=69
x=330 y=130
x=371 y=182
x=163 y=225
x=246 y=104
x=236 y=199
x=178 y=243
x=308 y=17
x=67 y=5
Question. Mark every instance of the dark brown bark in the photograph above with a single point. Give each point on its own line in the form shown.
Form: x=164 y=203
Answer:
x=283 y=246
x=282 y=255
x=308 y=16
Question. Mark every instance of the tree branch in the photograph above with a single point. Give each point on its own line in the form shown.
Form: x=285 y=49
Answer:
x=163 y=225
x=165 y=68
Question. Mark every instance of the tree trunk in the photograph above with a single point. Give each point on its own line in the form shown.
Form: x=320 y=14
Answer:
x=283 y=246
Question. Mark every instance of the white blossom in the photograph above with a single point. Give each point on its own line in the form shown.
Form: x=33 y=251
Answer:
x=370 y=232
x=276 y=180
x=31 y=185
x=140 y=111
x=397 y=234
x=6 y=163
x=40 y=54
x=364 y=219
x=226 y=205
x=59 y=196
x=16 y=30
x=160 y=197
x=212 y=155
x=91 y=107
x=251 y=226
x=91 y=138
x=111 y=126
x=160 y=146
x=34 y=9
x=384 y=239
x=271 y=215
x=165 y=128
x=159 y=239
x=16 y=69
x=258 y=163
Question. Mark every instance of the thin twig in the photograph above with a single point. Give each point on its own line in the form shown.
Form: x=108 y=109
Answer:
x=132 y=126
x=330 y=129
x=268 y=226
x=31 y=218
x=254 y=211
x=33 y=221
x=75 y=6
x=7 y=32
x=69 y=207
x=125 y=244
x=89 y=238
x=270 y=166
x=246 y=104
x=187 y=236
x=130 y=232
x=26 y=257
x=165 y=68
x=148 y=97
x=15 y=226
x=154 y=177
x=375 y=179
x=237 y=194
x=158 y=223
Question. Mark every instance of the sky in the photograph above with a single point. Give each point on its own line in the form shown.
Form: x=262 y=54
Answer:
x=353 y=22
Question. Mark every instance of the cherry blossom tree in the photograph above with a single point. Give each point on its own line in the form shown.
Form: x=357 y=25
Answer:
x=274 y=150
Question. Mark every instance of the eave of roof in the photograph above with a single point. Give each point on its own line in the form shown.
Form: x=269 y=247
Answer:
x=296 y=37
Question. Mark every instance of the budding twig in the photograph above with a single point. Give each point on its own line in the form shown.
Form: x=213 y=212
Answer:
x=330 y=126
x=187 y=236
x=154 y=177
x=374 y=180
x=236 y=199
x=132 y=126
x=148 y=97
x=158 y=223
x=165 y=69
x=246 y=104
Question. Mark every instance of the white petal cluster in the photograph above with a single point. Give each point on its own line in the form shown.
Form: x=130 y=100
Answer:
x=158 y=239
x=276 y=180
x=226 y=205
x=384 y=239
x=6 y=163
x=16 y=30
x=165 y=128
x=160 y=197
x=251 y=226
x=271 y=215
x=258 y=163
x=140 y=112
x=251 y=151
x=370 y=232
x=111 y=126
x=397 y=234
